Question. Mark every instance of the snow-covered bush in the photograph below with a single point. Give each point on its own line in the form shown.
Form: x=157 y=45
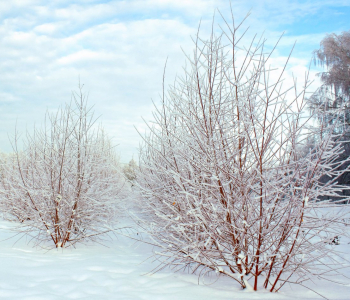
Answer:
x=63 y=186
x=222 y=176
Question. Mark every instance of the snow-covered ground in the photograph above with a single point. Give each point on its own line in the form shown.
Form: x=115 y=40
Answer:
x=120 y=271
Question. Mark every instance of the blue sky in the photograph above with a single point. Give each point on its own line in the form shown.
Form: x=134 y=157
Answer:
x=118 y=50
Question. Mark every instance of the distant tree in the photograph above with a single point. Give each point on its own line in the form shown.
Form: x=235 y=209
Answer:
x=63 y=186
x=227 y=185
x=335 y=55
x=130 y=169
x=331 y=100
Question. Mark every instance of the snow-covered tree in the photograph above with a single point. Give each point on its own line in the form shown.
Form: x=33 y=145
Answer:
x=334 y=53
x=63 y=186
x=130 y=169
x=222 y=178
x=332 y=98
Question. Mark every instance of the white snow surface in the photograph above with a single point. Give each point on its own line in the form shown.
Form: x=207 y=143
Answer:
x=120 y=270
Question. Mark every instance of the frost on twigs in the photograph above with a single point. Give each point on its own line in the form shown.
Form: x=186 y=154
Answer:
x=63 y=186
x=223 y=178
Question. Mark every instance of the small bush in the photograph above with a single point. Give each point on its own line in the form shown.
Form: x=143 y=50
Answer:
x=64 y=184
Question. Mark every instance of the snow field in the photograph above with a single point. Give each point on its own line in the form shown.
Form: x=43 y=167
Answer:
x=118 y=271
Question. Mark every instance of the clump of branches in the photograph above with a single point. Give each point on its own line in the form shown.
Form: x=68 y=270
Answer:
x=63 y=186
x=222 y=178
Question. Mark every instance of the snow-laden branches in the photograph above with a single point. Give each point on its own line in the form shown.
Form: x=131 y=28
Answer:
x=224 y=179
x=63 y=186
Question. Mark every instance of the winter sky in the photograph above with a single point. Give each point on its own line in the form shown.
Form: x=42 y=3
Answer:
x=118 y=50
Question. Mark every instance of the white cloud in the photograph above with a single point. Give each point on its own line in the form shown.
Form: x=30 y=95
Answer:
x=118 y=49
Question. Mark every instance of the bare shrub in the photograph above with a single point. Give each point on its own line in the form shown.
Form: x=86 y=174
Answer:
x=223 y=179
x=64 y=185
